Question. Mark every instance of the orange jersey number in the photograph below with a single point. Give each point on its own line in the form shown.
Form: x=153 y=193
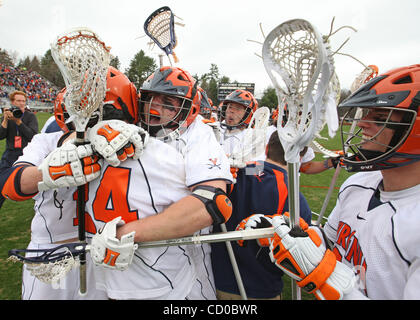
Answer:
x=111 y=199
x=89 y=225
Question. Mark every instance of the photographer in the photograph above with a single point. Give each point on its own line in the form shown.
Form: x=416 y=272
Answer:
x=18 y=126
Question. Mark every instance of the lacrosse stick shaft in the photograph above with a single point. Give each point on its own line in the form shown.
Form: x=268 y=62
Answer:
x=81 y=205
x=234 y=266
x=328 y=196
x=294 y=209
x=212 y=238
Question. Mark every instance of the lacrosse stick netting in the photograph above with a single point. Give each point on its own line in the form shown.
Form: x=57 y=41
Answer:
x=160 y=27
x=253 y=141
x=300 y=67
x=83 y=60
x=48 y=265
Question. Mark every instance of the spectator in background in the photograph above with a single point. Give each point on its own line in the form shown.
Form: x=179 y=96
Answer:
x=34 y=85
x=18 y=126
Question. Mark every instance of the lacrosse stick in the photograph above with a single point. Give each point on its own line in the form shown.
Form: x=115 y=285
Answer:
x=254 y=138
x=50 y=265
x=367 y=74
x=295 y=55
x=160 y=27
x=83 y=60
x=253 y=142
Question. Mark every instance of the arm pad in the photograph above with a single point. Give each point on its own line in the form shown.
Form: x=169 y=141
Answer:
x=216 y=201
x=11 y=188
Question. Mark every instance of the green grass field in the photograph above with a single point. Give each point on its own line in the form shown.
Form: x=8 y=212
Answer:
x=15 y=220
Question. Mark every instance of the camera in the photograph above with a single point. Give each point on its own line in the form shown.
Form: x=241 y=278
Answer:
x=17 y=113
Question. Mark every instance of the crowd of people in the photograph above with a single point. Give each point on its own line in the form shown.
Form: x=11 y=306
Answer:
x=33 y=84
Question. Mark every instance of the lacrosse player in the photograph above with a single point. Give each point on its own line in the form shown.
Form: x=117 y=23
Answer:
x=176 y=188
x=260 y=191
x=374 y=225
x=55 y=220
x=236 y=111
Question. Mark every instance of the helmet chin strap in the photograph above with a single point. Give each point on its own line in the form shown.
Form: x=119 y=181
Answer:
x=354 y=163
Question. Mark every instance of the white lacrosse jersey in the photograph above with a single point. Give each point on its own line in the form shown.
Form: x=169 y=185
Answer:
x=145 y=187
x=54 y=221
x=55 y=210
x=377 y=233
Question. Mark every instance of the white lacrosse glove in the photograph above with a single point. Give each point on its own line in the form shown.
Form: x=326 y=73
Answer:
x=116 y=140
x=69 y=166
x=107 y=251
x=302 y=256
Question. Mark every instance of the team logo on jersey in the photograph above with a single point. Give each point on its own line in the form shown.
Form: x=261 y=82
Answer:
x=348 y=243
x=213 y=164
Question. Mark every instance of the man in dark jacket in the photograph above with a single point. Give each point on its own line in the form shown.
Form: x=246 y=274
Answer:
x=18 y=126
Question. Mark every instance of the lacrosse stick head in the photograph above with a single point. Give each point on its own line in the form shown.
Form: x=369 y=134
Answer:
x=83 y=60
x=253 y=141
x=238 y=102
x=169 y=102
x=49 y=265
x=160 y=27
x=300 y=67
x=388 y=133
x=366 y=75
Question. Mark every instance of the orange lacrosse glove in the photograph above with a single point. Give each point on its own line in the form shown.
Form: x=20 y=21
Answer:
x=302 y=255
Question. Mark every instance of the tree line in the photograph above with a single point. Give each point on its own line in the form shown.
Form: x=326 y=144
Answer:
x=140 y=67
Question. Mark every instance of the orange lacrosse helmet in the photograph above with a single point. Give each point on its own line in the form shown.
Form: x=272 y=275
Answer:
x=121 y=102
x=205 y=106
x=121 y=99
x=244 y=98
x=394 y=92
x=60 y=112
x=173 y=82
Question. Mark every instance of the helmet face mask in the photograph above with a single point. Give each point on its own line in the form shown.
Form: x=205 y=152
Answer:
x=160 y=114
x=385 y=111
x=169 y=103
x=380 y=132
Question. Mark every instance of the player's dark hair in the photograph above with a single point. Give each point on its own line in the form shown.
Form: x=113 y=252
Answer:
x=275 y=151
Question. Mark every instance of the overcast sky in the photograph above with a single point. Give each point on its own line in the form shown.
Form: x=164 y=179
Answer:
x=218 y=31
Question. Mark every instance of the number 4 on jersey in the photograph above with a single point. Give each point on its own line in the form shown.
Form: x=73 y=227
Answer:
x=111 y=200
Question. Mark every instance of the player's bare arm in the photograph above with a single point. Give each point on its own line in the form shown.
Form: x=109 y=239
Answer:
x=182 y=218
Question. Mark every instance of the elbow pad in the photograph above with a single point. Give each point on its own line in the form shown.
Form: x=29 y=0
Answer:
x=217 y=203
x=11 y=189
